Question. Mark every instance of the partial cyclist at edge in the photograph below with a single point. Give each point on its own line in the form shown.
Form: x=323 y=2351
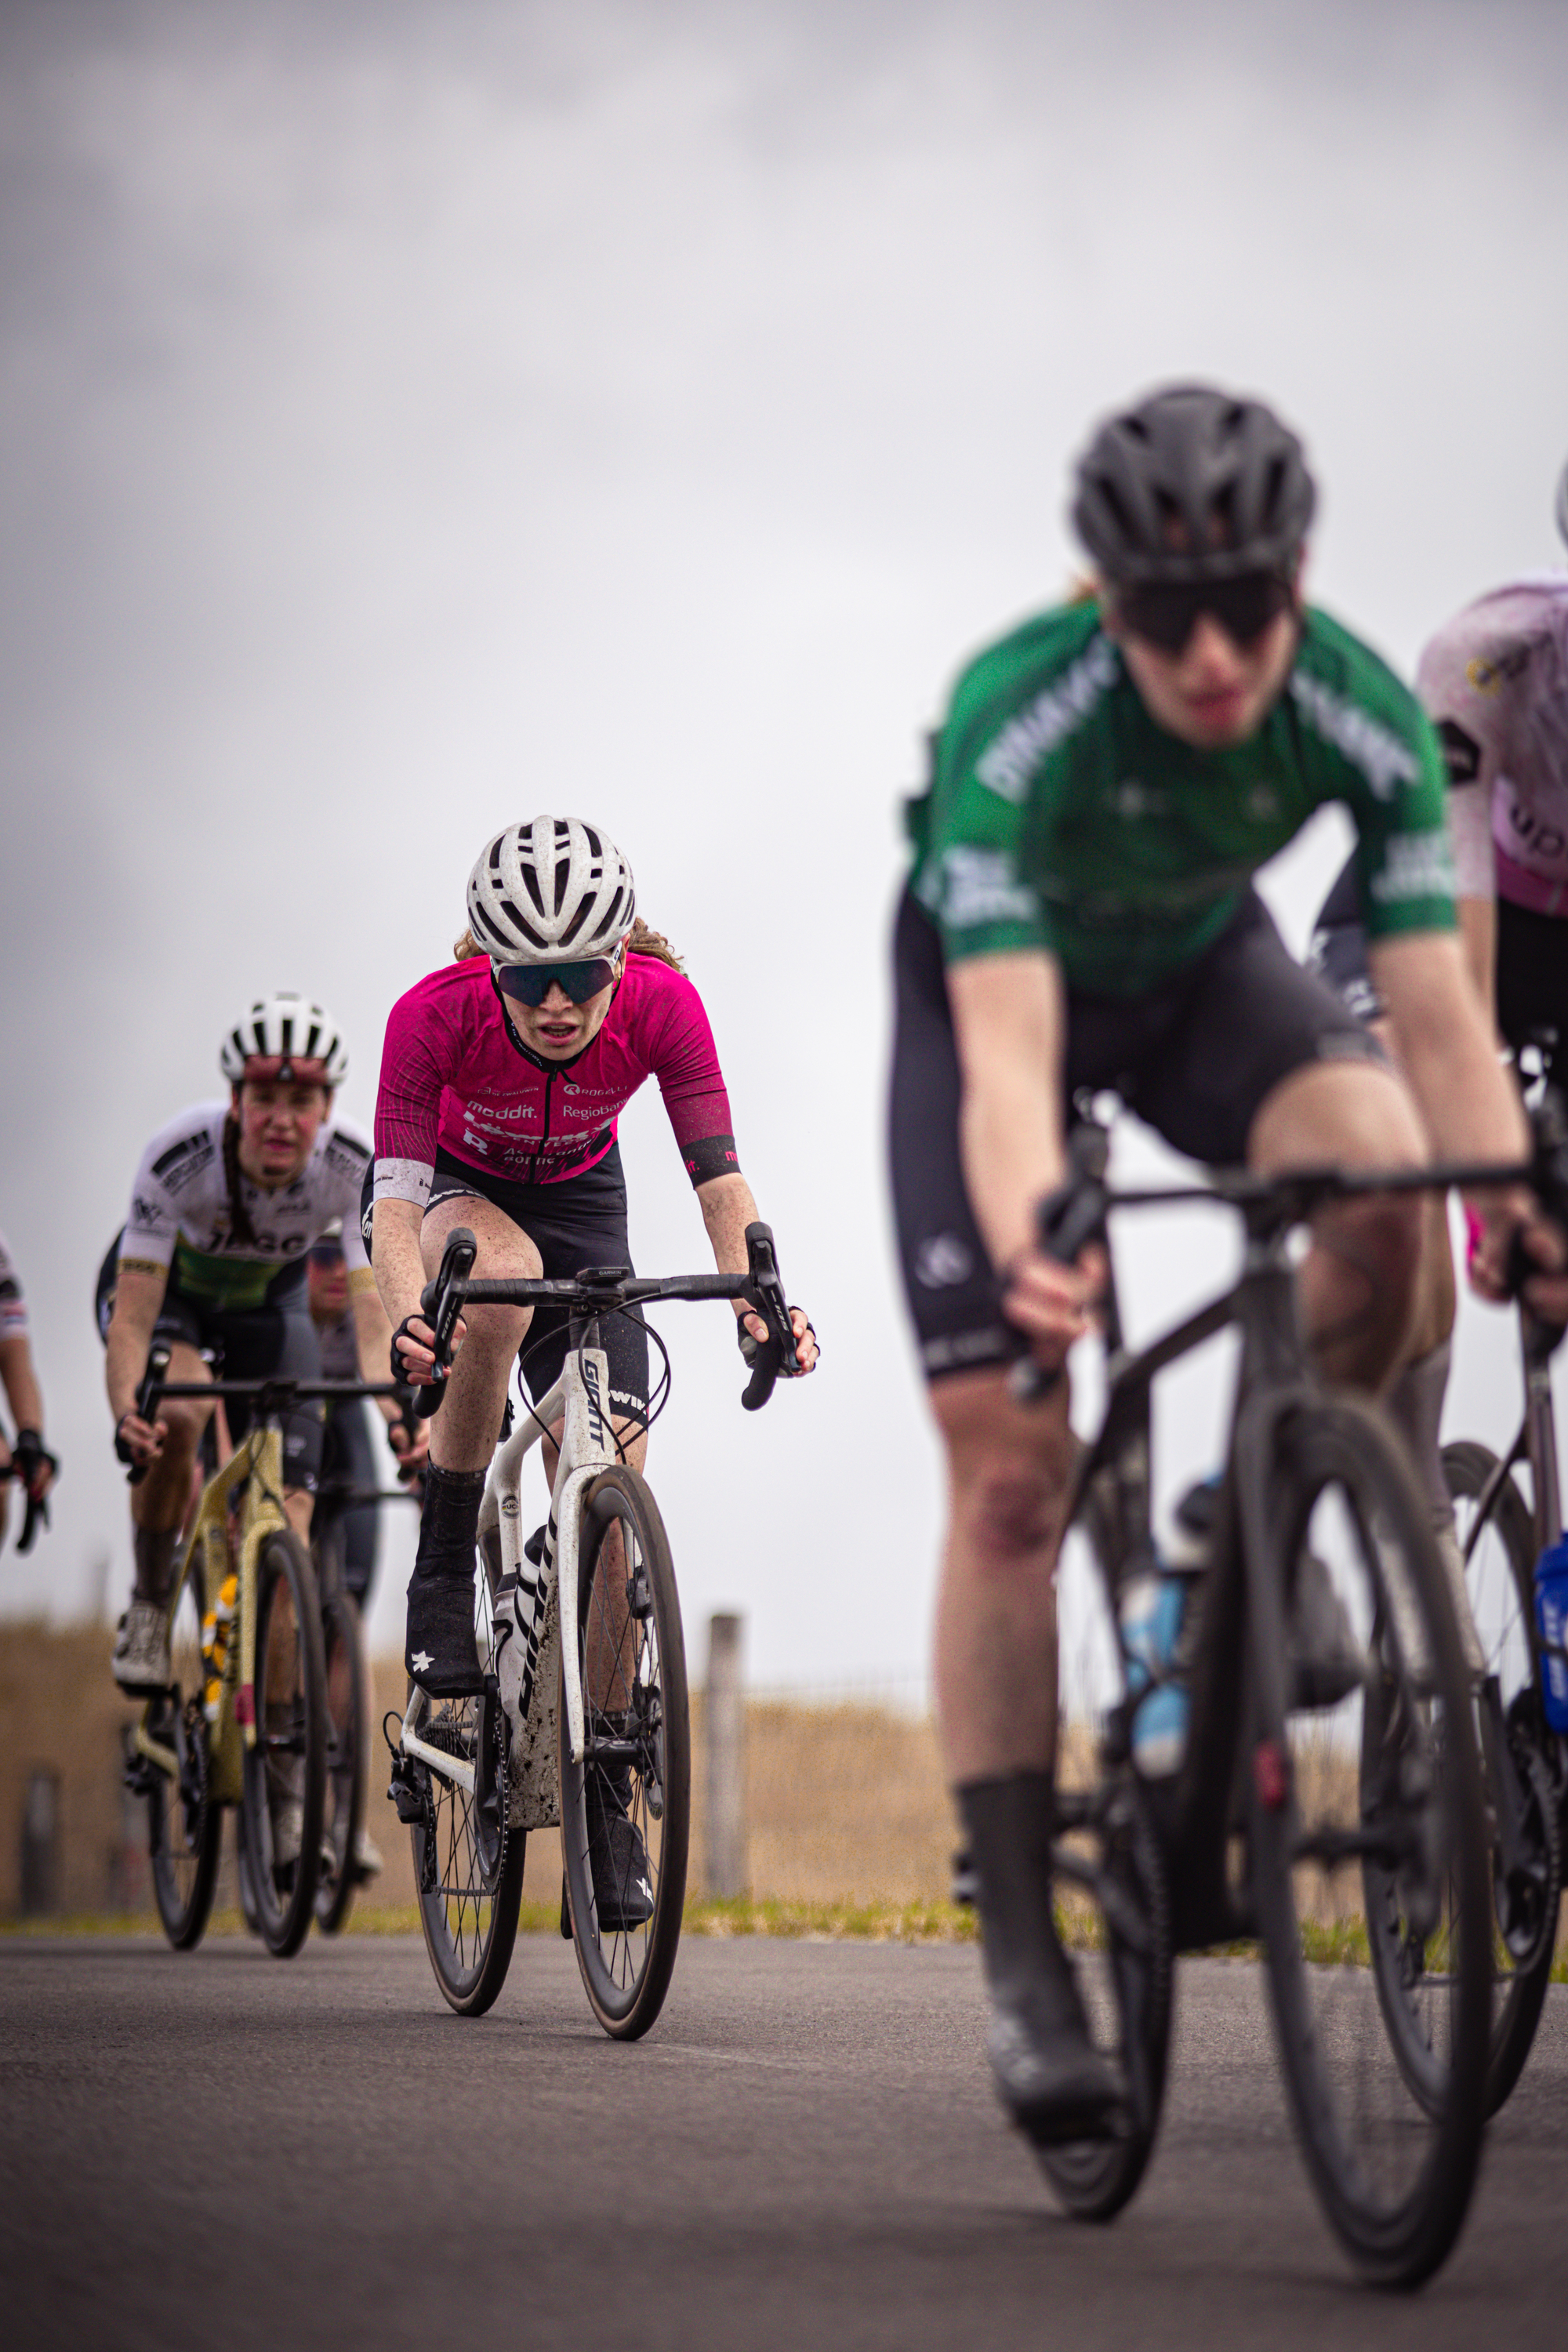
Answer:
x=211 y=1261
x=1080 y=913
x=502 y=1081
x=1494 y=681
x=24 y=1455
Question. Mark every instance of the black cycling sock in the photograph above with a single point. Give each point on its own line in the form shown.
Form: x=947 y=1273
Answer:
x=154 y=1553
x=1009 y=1822
x=449 y=1523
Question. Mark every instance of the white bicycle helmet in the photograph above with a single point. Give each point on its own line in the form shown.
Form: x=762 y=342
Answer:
x=285 y=1027
x=551 y=890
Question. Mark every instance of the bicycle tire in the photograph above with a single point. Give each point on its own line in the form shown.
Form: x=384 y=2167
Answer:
x=1502 y=1602
x=183 y=1838
x=343 y=1785
x=468 y=1860
x=1383 y=1783
x=637 y=1753
x=286 y=1766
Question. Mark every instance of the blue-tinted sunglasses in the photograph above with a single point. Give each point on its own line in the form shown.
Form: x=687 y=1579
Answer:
x=530 y=984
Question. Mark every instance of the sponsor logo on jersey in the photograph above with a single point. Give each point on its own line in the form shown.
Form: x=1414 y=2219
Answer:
x=344 y=1155
x=1490 y=676
x=148 y=1215
x=1415 y=865
x=1009 y=765
x=943 y=1260
x=1356 y=735
x=981 y=886
x=178 y=1168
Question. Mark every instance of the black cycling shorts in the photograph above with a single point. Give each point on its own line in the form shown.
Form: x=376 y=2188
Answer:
x=245 y=1344
x=1196 y=1057
x=581 y=1221
x=1531 y=963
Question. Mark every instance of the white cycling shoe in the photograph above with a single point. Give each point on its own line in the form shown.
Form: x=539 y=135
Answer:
x=140 y=1661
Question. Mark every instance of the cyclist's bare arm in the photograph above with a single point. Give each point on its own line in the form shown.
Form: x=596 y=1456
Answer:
x=1009 y=1026
x=1478 y=940
x=400 y=1277
x=138 y=1289
x=373 y=1341
x=728 y=1208
x=1467 y=1100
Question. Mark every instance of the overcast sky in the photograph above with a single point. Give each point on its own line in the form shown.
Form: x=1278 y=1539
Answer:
x=415 y=419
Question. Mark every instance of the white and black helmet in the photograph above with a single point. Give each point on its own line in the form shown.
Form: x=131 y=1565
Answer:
x=552 y=888
x=285 y=1027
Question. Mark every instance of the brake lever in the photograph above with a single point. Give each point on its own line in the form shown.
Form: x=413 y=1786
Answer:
x=441 y=1309
x=765 y=1288
x=147 y=1396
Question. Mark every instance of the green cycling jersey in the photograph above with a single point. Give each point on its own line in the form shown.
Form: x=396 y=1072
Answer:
x=1061 y=816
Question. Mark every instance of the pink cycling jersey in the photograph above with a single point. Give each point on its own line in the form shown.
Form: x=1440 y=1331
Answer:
x=454 y=1077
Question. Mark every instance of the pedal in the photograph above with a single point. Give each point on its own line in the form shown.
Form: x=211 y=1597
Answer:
x=407 y=1792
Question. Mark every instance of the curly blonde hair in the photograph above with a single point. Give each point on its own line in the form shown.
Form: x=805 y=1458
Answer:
x=642 y=942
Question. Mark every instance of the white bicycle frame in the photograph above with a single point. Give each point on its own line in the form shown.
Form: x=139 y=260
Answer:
x=523 y=1657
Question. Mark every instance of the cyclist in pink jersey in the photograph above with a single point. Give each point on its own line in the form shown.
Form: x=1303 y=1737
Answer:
x=502 y=1080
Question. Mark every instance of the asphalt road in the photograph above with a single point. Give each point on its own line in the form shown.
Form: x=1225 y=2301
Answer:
x=228 y=2151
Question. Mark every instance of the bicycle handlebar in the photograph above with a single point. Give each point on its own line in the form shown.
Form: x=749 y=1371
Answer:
x=272 y=1393
x=1078 y=1211
x=602 y=1290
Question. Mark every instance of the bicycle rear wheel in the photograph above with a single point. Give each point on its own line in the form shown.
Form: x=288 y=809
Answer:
x=1367 y=1821
x=285 y=1770
x=343 y=1793
x=184 y=1827
x=1527 y=1846
x=626 y=1806
x=468 y=1861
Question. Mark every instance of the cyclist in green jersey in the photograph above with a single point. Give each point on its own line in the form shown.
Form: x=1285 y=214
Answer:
x=1081 y=913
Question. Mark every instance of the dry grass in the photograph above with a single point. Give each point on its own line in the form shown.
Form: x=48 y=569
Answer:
x=851 y=1830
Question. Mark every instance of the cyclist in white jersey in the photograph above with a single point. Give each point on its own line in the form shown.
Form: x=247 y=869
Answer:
x=226 y=1204
x=36 y=1467
x=1494 y=680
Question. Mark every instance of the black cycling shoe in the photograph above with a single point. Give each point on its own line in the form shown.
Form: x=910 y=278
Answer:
x=1050 y=2078
x=440 y=1655
x=623 y=1891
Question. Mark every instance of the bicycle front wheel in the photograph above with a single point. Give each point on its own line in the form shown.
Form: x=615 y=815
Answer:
x=285 y=1770
x=343 y=1791
x=1368 y=1850
x=184 y=1827
x=468 y=1860
x=626 y=1806
x=1526 y=1847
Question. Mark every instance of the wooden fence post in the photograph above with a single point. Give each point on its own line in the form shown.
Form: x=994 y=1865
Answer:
x=726 y=1724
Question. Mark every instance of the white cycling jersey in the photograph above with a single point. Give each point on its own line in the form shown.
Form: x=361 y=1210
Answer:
x=181 y=1218
x=1495 y=681
x=12 y=1306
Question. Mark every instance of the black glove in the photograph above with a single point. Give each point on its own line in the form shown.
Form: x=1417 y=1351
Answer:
x=32 y=1456
x=399 y=1369
x=751 y=1349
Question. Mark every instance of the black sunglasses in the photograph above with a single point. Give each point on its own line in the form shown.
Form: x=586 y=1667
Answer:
x=530 y=984
x=1166 y=612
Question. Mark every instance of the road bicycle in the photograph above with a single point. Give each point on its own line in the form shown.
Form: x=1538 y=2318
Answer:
x=583 y=1721
x=245 y=1720
x=1501 y=1535
x=1330 y=1797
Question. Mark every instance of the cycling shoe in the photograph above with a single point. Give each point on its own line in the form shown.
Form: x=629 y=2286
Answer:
x=623 y=1890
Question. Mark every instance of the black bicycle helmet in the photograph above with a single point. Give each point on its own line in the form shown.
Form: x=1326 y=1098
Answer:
x=1193 y=483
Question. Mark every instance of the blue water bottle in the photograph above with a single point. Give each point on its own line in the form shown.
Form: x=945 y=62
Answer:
x=1552 y=1625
